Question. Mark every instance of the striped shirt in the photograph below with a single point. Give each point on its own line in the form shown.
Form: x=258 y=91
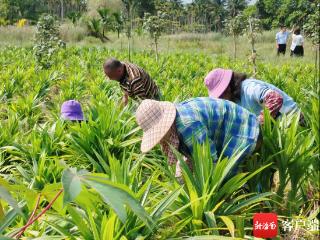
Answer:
x=138 y=84
x=228 y=127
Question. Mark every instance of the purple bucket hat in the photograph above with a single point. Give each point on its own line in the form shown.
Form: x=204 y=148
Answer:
x=71 y=110
x=217 y=81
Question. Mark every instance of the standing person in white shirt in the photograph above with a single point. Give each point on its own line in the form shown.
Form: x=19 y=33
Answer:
x=297 y=44
x=281 y=40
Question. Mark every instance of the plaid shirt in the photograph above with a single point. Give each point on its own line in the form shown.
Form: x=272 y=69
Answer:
x=225 y=124
x=138 y=84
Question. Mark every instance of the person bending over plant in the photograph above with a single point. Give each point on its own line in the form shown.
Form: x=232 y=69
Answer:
x=134 y=81
x=228 y=128
x=250 y=93
x=71 y=110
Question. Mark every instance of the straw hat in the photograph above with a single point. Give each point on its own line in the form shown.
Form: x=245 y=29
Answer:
x=217 y=81
x=155 y=118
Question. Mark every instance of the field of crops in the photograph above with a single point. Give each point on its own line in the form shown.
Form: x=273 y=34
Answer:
x=60 y=180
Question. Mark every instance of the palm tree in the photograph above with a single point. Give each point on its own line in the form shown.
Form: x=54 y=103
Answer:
x=106 y=19
x=95 y=28
x=117 y=22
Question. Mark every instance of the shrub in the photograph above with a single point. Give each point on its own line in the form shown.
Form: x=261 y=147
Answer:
x=47 y=41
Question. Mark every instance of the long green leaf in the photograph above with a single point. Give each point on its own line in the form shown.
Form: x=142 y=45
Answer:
x=118 y=196
x=4 y=194
x=71 y=185
x=110 y=228
x=211 y=220
x=77 y=218
x=229 y=224
x=93 y=225
x=165 y=203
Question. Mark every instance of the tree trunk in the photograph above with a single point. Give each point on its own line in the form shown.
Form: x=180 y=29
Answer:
x=130 y=31
x=62 y=9
x=129 y=48
x=316 y=64
x=172 y=23
x=156 y=48
x=253 y=51
x=253 y=56
x=234 y=46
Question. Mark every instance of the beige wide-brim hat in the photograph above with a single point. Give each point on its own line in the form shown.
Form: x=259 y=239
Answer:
x=155 y=119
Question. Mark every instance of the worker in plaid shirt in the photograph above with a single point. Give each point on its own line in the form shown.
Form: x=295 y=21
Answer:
x=226 y=125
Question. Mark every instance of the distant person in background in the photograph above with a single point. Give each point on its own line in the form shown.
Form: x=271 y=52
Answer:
x=71 y=110
x=250 y=94
x=297 y=44
x=134 y=81
x=281 y=40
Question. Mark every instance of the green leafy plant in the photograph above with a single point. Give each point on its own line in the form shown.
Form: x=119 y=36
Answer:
x=74 y=17
x=252 y=30
x=292 y=154
x=155 y=25
x=234 y=27
x=116 y=195
x=118 y=22
x=95 y=29
x=47 y=41
x=38 y=150
x=312 y=30
x=211 y=198
x=106 y=20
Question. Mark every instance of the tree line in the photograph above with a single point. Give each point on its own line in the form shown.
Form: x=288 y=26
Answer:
x=198 y=16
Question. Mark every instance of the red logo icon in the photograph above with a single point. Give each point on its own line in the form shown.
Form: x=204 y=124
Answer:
x=265 y=225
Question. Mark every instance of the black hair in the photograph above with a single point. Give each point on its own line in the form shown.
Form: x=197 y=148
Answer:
x=112 y=64
x=235 y=84
x=297 y=31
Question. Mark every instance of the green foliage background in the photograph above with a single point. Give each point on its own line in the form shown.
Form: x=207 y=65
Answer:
x=100 y=167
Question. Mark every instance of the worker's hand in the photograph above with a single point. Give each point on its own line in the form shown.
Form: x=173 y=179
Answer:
x=277 y=45
x=178 y=174
x=261 y=118
x=124 y=100
x=180 y=180
x=178 y=170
